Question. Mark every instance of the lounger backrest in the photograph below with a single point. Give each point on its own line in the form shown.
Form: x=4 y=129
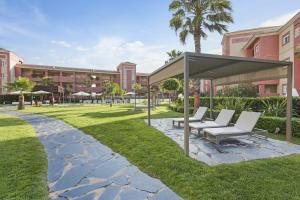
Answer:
x=200 y=112
x=247 y=120
x=224 y=117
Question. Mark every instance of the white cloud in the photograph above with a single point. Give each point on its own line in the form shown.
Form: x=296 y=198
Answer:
x=61 y=43
x=52 y=52
x=38 y=14
x=80 y=48
x=108 y=53
x=7 y=29
x=217 y=51
x=280 y=20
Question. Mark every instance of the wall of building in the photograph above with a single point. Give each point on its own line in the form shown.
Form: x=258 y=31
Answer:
x=233 y=44
x=75 y=79
x=296 y=50
x=267 y=47
x=270 y=43
x=4 y=71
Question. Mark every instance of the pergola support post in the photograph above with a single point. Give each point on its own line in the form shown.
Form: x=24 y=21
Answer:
x=289 y=108
x=186 y=105
x=149 y=106
x=211 y=94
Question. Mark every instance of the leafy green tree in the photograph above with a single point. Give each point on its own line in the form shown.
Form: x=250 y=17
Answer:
x=137 y=88
x=171 y=85
x=173 y=54
x=241 y=90
x=196 y=17
x=23 y=85
x=69 y=90
x=48 y=82
x=108 y=90
x=88 y=83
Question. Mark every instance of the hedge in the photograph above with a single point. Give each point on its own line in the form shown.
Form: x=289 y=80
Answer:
x=8 y=99
x=255 y=104
x=265 y=122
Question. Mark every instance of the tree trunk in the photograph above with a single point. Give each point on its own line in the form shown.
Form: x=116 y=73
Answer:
x=134 y=100
x=21 y=102
x=197 y=41
x=52 y=99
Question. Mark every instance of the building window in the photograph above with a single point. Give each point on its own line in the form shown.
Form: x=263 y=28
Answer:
x=286 y=38
x=256 y=49
x=297 y=32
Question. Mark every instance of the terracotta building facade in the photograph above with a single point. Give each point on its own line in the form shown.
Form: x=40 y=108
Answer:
x=72 y=78
x=274 y=43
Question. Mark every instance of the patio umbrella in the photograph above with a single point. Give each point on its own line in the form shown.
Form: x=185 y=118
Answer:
x=19 y=92
x=129 y=93
x=41 y=92
x=81 y=94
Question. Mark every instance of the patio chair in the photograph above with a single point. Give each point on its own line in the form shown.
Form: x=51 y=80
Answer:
x=244 y=126
x=222 y=120
x=198 y=117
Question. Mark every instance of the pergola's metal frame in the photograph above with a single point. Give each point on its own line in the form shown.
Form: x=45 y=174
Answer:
x=238 y=74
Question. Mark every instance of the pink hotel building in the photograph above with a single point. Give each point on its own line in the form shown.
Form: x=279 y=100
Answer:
x=276 y=43
x=12 y=66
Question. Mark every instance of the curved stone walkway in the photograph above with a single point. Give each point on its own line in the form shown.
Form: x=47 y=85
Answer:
x=80 y=167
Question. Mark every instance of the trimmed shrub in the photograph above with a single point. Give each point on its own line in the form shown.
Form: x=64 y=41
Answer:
x=254 y=104
x=265 y=122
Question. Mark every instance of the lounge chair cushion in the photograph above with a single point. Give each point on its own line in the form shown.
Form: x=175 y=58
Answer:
x=247 y=121
x=199 y=115
x=223 y=131
x=224 y=117
x=206 y=124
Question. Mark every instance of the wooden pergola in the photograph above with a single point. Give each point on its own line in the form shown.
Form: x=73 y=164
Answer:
x=222 y=70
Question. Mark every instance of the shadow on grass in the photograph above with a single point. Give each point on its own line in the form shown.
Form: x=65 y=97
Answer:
x=108 y=114
x=9 y=122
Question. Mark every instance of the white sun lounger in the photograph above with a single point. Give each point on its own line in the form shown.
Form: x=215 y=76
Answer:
x=223 y=119
x=244 y=126
x=199 y=115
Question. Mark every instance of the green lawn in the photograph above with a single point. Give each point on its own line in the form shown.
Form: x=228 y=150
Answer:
x=23 y=164
x=125 y=132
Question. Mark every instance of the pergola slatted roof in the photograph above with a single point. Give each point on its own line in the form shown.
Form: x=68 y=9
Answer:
x=213 y=67
x=222 y=70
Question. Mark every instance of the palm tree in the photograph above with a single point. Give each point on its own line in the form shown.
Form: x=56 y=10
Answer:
x=48 y=81
x=195 y=17
x=173 y=54
x=108 y=90
x=88 y=83
x=22 y=85
x=136 y=87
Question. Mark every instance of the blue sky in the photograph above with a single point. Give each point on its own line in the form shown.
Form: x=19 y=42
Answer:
x=102 y=33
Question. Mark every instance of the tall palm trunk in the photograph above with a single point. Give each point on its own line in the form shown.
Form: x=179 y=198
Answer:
x=197 y=41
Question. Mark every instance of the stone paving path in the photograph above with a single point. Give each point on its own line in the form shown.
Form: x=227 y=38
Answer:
x=79 y=167
x=235 y=150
